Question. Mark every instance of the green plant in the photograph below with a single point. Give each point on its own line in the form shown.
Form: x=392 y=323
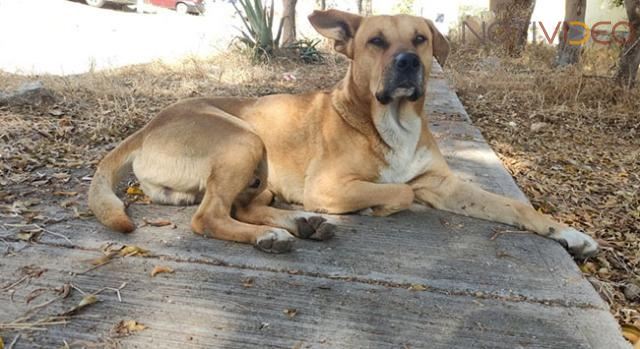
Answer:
x=258 y=22
x=307 y=51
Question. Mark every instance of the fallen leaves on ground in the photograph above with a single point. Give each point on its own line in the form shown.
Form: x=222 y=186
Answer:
x=112 y=251
x=158 y=223
x=65 y=193
x=85 y=302
x=130 y=250
x=417 y=288
x=572 y=143
x=126 y=328
x=161 y=269
x=28 y=235
x=248 y=282
x=134 y=191
x=290 y=312
x=631 y=333
x=26 y=322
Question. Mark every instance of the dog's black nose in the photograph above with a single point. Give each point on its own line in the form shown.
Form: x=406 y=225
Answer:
x=407 y=62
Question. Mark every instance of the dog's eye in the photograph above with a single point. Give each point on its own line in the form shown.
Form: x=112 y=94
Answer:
x=419 y=39
x=378 y=41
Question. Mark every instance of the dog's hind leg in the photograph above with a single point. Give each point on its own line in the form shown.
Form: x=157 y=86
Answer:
x=304 y=225
x=232 y=180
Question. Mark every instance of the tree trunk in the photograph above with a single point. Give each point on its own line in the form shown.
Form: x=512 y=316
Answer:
x=630 y=57
x=288 y=22
x=365 y=7
x=511 y=27
x=569 y=54
x=321 y=4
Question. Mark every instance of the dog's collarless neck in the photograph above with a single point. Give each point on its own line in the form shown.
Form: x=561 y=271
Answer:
x=356 y=114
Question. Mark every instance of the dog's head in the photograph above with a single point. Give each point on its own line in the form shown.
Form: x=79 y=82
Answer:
x=391 y=55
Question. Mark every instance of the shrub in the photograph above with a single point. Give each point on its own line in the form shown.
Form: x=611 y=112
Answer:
x=258 y=21
x=307 y=51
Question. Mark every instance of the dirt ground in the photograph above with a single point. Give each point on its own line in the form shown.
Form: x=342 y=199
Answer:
x=569 y=138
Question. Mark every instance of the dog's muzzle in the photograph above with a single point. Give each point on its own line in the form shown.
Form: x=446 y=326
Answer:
x=404 y=79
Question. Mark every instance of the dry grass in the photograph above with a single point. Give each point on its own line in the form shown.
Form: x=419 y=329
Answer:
x=95 y=111
x=571 y=139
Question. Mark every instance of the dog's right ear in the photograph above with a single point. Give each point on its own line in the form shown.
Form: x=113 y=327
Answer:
x=339 y=26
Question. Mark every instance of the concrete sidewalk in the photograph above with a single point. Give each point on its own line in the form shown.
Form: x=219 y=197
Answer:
x=423 y=279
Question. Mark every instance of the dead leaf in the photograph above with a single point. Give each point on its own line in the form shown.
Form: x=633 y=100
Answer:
x=130 y=250
x=67 y=203
x=55 y=112
x=136 y=191
x=291 y=313
x=127 y=327
x=160 y=269
x=110 y=252
x=631 y=333
x=247 y=283
x=34 y=294
x=417 y=288
x=28 y=235
x=65 y=193
x=101 y=260
x=120 y=251
x=588 y=268
x=157 y=223
x=1 y=343
x=32 y=271
x=85 y=302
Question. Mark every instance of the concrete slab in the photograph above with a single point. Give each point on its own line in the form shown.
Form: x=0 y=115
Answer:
x=205 y=306
x=478 y=289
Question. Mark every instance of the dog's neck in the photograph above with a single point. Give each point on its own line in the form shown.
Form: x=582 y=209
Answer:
x=360 y=110
x=398 y=125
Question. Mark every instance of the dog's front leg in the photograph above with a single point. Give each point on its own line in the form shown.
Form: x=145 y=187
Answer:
x=447 y=192
x=344 y=197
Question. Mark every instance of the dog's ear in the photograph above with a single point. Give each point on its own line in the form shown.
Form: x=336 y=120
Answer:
x=440 y=44
x=338 y=26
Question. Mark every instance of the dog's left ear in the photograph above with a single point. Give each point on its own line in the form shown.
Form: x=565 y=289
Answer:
x=440 y=44
x=338 y=26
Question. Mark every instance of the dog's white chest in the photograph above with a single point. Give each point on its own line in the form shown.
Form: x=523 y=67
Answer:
x=405 y=160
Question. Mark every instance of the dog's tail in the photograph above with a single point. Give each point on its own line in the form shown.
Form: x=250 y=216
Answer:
x=104 y=203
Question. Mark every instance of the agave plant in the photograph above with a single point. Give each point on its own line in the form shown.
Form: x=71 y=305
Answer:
x=258 y=22
x=307 y=50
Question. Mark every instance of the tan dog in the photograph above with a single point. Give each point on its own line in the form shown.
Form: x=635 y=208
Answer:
x=365 y=144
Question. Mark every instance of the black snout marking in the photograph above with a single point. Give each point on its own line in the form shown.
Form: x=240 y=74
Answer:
x=407 y=62
x=405 y=71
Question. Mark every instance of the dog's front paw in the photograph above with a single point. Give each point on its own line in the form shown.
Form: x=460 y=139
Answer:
x=275 y=241
x=580 y=245
x=315 y=228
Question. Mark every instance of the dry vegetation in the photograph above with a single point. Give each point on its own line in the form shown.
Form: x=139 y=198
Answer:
x=571 y=139
x=580 y=162
x=93 y=112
